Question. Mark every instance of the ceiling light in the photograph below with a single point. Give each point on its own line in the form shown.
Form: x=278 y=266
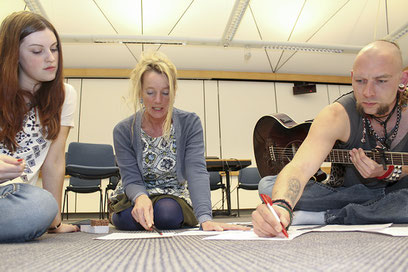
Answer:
x=234 y=20
x=247 y=45
x=140 y=42
x=397 y=33
x=304 y=49
x=125 y=39
x=298 y=46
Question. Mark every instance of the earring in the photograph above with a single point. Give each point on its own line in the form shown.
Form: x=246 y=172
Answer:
x=404 y=95
x=141 y=100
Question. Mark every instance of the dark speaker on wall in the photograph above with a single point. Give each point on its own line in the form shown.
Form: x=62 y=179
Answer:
x=304 y=88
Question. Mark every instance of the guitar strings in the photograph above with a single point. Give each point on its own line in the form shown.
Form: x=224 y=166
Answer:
x=340 y=155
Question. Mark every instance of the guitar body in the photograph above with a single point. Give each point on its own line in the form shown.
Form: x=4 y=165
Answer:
x=276 y=139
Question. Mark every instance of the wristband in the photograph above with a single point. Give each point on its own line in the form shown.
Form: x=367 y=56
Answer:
x=55 y=228
x=289 y=211
x=284 y=202
x=387 y=173
x=395 y=174
x=285 y=205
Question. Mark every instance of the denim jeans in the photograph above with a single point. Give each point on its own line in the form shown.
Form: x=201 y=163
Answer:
x=26 y=212
x=352 y=205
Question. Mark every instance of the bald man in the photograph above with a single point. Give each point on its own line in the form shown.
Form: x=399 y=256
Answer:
x=365 y=191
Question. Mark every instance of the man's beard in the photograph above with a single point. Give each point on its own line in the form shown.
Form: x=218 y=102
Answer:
x=381 y=111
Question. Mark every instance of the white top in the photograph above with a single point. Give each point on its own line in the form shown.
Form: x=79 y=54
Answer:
x=32 y=145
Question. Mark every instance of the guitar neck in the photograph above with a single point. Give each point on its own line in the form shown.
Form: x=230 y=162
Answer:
x=342 y=156
x=277 y=139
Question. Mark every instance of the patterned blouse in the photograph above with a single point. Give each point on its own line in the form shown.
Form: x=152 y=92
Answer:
x=33 y=146
x=159 y=166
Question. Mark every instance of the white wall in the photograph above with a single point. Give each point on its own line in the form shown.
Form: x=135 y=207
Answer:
x=228 y=111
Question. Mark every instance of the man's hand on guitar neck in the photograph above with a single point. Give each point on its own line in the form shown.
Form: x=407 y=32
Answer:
x=364 y=165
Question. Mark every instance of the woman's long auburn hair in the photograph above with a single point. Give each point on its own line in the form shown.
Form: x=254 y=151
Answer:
x=48 y=99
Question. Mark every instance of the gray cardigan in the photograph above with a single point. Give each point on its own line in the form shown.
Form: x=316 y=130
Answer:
x=191 y=165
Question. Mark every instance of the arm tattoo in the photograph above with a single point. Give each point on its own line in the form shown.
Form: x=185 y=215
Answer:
x=293 y=190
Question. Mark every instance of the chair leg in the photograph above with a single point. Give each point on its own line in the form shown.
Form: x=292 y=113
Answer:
x=223 y=198
x=63 y=205
x=100 y=205
x=105 y=204
x=67 y=205
x=238 y=200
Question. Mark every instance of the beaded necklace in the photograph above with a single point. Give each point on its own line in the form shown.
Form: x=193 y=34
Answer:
x=386 y=140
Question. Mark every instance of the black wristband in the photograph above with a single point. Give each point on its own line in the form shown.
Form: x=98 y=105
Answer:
x=284 y=202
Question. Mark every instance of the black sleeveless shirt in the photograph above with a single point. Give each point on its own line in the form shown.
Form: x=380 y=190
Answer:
x=351 y=175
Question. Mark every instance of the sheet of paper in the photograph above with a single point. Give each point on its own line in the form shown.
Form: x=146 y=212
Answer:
x=293 y=232
x=394 y=231
x=250 y=235
x=137 y=235
x=368 y=227
x=296 y=231
x=197 y=232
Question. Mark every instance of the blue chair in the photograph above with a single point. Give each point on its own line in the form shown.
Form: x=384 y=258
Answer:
x=83 y=186
x=216 y=183
x=248 y=179
x=86 y=162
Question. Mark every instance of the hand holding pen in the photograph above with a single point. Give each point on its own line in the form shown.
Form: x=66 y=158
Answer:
x=267 y=200
x=142 y=212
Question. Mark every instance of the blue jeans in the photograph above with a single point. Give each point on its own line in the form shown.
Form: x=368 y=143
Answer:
x=353 y=205
x=26 y=212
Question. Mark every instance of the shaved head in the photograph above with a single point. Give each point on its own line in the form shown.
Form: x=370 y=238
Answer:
x=386 y=50
x=376 y=75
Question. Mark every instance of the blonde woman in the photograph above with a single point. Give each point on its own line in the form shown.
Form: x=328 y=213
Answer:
x=160 y=153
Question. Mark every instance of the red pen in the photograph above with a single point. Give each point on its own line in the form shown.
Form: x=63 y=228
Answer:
x=268 y=202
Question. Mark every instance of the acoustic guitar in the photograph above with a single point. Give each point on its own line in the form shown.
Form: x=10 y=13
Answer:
x=277 y=138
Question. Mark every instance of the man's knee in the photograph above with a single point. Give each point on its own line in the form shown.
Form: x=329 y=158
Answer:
x=266 y=184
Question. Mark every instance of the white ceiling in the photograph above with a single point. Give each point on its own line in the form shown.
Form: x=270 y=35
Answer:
x=329 y=22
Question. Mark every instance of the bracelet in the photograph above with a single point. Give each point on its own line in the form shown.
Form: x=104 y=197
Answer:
x=284 y=202
x=290 y=214
x=387 y=173
x=396 y=173
x=56 y=227
x=285 y=205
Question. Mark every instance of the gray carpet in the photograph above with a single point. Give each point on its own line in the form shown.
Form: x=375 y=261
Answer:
x=352 y=251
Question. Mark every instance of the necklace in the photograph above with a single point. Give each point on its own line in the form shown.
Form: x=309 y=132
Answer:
x=384 y=141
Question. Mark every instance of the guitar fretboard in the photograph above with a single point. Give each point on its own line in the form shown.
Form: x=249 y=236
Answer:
x=342 y=156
